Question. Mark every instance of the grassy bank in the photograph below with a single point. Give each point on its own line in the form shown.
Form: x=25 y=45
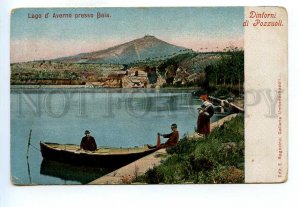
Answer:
x=219 y=158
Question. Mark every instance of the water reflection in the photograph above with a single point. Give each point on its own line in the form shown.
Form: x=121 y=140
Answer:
x=67 y=172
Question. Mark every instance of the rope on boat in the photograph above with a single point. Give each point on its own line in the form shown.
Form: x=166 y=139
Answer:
x=34 y=147
x=29 y=138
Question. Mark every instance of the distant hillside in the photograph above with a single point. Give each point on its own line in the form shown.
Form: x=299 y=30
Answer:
x=192 y=62
x=142 y=49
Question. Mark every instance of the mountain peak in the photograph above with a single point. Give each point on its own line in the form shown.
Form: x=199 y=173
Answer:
x=149 y=37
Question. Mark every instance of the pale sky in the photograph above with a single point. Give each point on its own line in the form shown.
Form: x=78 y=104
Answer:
x=33 y=39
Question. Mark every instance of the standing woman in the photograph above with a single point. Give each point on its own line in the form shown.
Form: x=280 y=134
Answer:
x=206 y=111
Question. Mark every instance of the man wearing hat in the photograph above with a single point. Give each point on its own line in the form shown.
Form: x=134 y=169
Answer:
x=88 y=142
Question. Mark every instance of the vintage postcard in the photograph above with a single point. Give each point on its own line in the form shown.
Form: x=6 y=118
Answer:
x=152 y=95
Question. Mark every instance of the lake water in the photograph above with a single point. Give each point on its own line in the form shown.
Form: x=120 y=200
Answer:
x=115 y=117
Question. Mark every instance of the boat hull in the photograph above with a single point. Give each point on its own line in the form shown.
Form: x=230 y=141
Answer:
x=89 y=158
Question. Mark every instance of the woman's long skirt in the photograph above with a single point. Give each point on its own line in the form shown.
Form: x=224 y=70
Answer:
x=203 y=124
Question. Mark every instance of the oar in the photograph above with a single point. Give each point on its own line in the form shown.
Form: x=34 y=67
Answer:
x=158 y=140
x=29 y=138
x=28 y=168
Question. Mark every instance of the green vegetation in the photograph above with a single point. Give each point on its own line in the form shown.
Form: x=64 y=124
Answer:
x=224 y=77
x=229 y=70
x=219 y=158
x=227 y=73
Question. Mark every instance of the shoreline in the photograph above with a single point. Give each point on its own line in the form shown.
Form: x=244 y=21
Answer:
x=86 y=87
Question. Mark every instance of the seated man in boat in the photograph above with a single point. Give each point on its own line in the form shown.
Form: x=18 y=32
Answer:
x=172 y=141
x=88 y=142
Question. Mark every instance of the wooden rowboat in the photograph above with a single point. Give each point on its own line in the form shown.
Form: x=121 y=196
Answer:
x=102 y=157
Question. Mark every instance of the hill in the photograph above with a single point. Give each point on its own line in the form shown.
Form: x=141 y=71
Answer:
x=142 y=49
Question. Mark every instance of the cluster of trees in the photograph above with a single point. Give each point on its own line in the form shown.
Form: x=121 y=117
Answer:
x=228 y=71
